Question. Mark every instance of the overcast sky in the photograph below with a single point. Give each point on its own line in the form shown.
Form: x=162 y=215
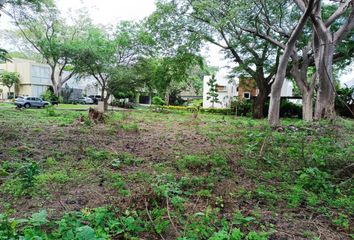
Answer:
x=111 y=11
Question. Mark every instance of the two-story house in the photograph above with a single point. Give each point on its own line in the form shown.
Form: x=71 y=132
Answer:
x=34 y=78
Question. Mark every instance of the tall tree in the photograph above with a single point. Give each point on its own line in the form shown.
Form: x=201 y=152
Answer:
x=274 y=108
x=49 y=35
x=213 y=95
x=109 y=57
x=175 y=52
x=328 y=37
x=282 y=15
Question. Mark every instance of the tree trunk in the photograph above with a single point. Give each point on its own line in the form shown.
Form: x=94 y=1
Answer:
x=259 y=104
x=167 y=98
x=274 y=107
x=8 y=94
x=326 y=93
x=307 y=105
x=299 y=73
x=54 y=84
x=105 y=102
x=104 y=99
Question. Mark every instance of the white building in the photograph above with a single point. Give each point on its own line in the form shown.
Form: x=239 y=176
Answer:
x=226 y=90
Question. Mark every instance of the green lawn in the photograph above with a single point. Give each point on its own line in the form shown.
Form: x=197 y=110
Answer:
x=171 y=175
x=73 y=106
x=7 y=105
x=60 y=106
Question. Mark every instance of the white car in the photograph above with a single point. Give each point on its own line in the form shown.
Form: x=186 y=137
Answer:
x=84 y=100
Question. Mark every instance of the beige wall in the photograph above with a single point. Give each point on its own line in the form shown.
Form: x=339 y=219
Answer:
x=24 y=68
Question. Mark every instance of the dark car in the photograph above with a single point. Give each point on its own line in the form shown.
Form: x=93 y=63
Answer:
x=95 y=98
x=28 y=102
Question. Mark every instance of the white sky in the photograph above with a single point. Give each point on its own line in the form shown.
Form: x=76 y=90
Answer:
x=110 y=11
x=107 y=12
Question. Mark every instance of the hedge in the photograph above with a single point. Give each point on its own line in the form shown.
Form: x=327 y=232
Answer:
x=225 y=111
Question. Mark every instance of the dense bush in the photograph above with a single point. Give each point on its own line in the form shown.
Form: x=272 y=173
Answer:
x=50 y=96
x=242 y=108
x=123 y=103
x=289 y=109
x=158 y=101
x=345 y=101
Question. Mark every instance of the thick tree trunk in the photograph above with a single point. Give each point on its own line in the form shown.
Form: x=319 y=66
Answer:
x=261 y=99
x=326 y=93
x=307 y=105
x=274 y=108
x=299 y=73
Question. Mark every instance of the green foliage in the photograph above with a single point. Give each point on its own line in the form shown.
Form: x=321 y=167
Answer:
x=224 y=111
x=4 y=55
x=316 y=181
x=119 y=183
x=126 y=159
x=130 y=127
x=50 y=111
x=242 y=108
x=50 y=96
x=158 y=101
x=23 y=180
x=345 y=100
x=27 y=173
x=9 y=79
x=97 y=224
x=268 y=173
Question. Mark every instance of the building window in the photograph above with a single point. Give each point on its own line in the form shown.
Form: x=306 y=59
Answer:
x=221 y=88
x=247 y=95
x=40 y=75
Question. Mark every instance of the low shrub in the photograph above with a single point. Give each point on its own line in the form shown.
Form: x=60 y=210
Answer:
x=225 y=111
x=158 y=101
x=242 y=108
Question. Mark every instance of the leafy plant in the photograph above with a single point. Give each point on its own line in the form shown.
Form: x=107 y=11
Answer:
x=158 y=101
x=27 y=173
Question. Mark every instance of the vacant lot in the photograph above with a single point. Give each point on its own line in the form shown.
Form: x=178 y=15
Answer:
x=146 y=175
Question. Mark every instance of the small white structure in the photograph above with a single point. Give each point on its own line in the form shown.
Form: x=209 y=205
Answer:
x=226 y=90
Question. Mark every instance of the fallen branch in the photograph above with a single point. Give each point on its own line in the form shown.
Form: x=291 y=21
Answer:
x=150 y=218
x=169 y=217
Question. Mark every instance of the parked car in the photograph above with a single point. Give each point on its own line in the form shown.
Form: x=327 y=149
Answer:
x=28 y=102
x=95 y=98
x=84 y=100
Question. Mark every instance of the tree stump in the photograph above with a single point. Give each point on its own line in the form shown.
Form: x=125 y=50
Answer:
x=95 y=116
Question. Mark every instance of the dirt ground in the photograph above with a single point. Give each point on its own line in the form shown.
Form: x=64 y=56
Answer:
x=158 y=140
